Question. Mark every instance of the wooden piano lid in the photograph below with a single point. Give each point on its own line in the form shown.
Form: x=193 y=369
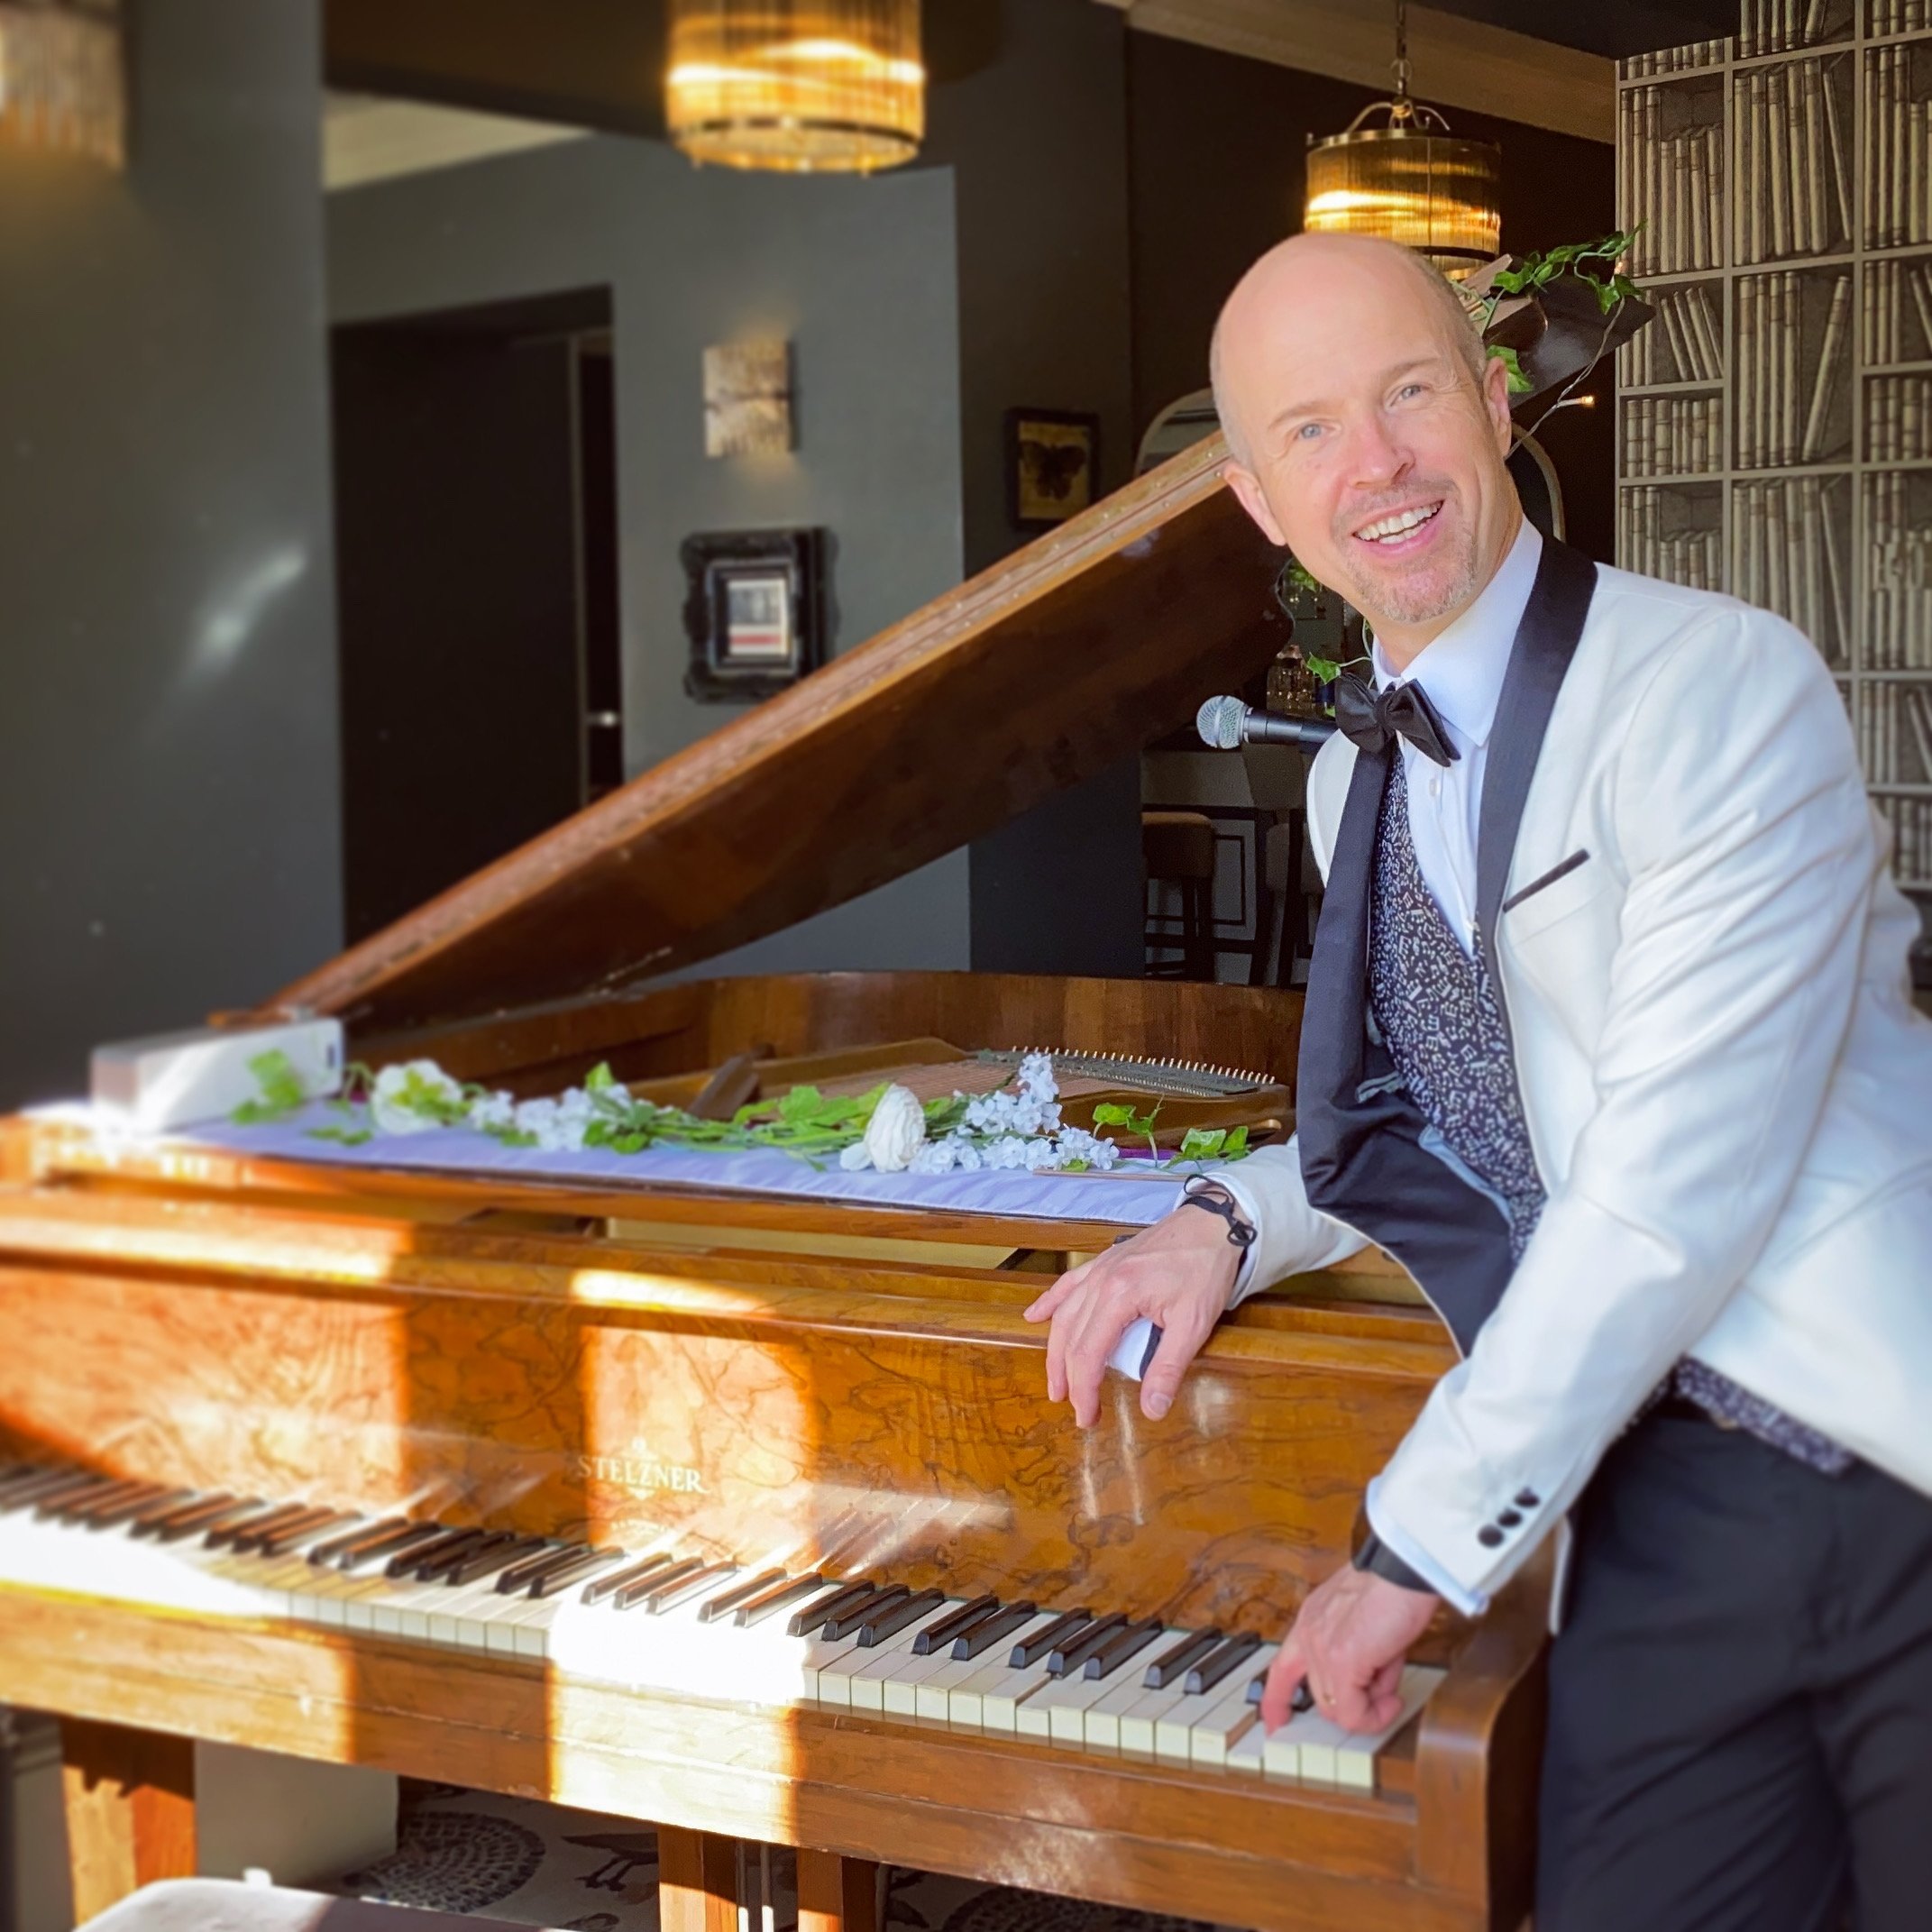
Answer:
x=1036 y=674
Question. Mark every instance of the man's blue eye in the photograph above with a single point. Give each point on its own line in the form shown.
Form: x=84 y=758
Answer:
x=1306 y=431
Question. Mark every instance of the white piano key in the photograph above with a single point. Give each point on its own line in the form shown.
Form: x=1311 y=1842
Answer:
x=1174 y=1728
x=867 y=1673
x=1101 y=1725
x=1214 y=1734
x=1245 y=1754
x=1331 y=1755
x=966 y=1701
x=1059 y=1711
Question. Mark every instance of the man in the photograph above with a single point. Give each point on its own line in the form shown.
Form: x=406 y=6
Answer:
x=1608 y=1040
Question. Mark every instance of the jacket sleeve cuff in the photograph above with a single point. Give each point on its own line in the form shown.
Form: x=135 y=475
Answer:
x=1458 y=1595
x=1291 y=1238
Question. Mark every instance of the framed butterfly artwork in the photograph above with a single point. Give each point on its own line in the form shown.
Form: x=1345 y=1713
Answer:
x=1052 y=465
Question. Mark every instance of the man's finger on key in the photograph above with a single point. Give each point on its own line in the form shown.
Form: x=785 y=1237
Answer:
x=1288 y=1672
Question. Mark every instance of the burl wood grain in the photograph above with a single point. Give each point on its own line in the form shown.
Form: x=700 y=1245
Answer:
x=1040 y=672
x=129 y=1797
x=752 y=1406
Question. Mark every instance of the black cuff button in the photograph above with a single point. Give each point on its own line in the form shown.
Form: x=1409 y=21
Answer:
x=1489 y=1535
x=1509 y=1519
x=1527 y=1499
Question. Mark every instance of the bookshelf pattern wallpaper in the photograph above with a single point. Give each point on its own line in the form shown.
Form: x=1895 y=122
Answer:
x=1775 y=420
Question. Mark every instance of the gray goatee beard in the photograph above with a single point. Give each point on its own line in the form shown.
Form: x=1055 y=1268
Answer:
x=1382 y=602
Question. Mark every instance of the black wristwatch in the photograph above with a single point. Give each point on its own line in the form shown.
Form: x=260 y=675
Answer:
x=1379 y=1560
x=1212 y=1198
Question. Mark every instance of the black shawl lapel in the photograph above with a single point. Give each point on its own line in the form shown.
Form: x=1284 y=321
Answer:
x=1335 y=1008
x=1546 y=640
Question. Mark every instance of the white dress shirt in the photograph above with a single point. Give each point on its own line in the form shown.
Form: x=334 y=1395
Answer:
x=1461 y=670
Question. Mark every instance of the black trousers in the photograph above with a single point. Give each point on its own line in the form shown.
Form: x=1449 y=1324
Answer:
x=1740 y=1699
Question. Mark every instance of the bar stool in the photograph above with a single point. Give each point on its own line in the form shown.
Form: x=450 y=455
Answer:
x=1177 y=849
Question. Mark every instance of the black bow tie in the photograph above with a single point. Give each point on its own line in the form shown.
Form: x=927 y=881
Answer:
x=1372 y=722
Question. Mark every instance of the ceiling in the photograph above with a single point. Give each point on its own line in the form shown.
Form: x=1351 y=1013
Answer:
x=597 y=63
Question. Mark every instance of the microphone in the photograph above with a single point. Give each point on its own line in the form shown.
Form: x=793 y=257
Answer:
x=1226 y=724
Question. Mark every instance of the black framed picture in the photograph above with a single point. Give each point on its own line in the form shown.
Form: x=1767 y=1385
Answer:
x=1052 y=465
x=754 y=611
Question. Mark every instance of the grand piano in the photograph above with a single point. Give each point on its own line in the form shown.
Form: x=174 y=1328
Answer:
x=796 y=1539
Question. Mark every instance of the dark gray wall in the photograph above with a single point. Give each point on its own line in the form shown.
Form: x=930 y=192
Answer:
x=859 y=275
x=1036 y=140
x=167 y=787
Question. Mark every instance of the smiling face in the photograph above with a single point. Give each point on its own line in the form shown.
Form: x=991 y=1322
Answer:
x=1366 y=442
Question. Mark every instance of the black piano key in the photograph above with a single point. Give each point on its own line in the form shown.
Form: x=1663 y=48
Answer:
x=563 y=1575
x=132 y=1511
x=231 y=1535
x=841 y=1597
x=486 y=1559
x=668 y=1595
x=247 y=1539
x=438 y=1563
x=58 y=1501
x=1179 y=1659
x=1220 y=1664
x=83 y=1510
x=780 y=1596
x=153 y=1525
x=1066 y=1657
x=448 y=1543
x=1122 y=1646
x=410 y=1537
x=895 y=1618
x=936 y=1636
x=993 y=1630
x=337 y=1547
x=197 y=1520
x=306 y=1528
x=519 y=1577
x=1302 y=1699
x=848 y=1620
x=1059 y=1630
x=597 y=1590
x=45 y=1482
x=630 y=1595
x=738 y=1595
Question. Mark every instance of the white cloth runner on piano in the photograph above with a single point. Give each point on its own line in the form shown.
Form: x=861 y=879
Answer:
x=1134 y=1198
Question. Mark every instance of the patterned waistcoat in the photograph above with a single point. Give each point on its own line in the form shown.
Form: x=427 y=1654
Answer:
x=1437 y=1009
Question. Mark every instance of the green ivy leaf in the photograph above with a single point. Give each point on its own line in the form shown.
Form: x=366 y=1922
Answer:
x=1202 y=1143
x=599 y=1078
x=345 y=1136
x=282 y=1093
x=1519 y=384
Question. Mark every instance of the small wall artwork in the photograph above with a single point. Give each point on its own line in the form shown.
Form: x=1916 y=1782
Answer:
x=1052 y=465
x=747 y=398
x=754 y=611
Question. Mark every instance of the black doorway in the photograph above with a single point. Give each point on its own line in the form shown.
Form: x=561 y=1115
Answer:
x=476 y=566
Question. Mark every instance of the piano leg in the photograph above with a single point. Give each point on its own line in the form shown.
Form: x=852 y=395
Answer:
x=130 y=1802
x=697 y=1881
x=837 y=1894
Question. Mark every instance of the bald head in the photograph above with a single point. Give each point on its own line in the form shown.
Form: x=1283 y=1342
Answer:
x=1368 y=429
x=1310 y=267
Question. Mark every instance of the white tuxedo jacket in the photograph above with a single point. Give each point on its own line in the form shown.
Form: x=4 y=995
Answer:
x=1727 y=1091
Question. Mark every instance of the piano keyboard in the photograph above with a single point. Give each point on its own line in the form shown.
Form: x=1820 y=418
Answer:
x=1083 y=1680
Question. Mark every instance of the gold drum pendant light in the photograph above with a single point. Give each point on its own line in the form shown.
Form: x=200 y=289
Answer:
x=798 y=86
x=61 y=80
x=1410 y=180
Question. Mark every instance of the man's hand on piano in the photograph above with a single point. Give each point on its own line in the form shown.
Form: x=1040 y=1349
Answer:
x=1178 y=1274
x=1349 y=1644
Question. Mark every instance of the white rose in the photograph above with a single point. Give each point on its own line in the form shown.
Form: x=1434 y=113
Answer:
x=896 y=1130
x=855 y=1159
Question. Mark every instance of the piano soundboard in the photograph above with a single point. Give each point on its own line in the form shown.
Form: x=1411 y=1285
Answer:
x=780 y=1636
